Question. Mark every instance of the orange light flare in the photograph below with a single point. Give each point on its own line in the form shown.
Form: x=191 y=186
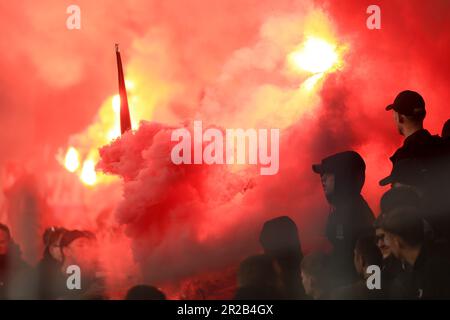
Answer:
x=88 y=175
x=82 y=156
x=317 y=57
x=72 y=160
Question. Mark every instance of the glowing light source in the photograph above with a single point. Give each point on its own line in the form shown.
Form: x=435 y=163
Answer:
x=316 y=56
x=309 y=83
x=116 y=104
x=72 y=159
x=80 y=159
x=129 y=84
x=88 y=175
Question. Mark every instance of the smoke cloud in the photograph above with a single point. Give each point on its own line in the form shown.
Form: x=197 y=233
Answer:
x=225 y=63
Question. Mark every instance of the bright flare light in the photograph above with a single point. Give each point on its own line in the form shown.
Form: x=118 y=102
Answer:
x=116 y=104
x=88 y=175
x=315 y=56
x=103 y=131
x=72 y=159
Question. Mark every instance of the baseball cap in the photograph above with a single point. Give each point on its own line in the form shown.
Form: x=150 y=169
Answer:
x=408 y=103
x=72 y=235
x=405 y=171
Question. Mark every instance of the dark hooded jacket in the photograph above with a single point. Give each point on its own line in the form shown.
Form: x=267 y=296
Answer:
x=350 y=216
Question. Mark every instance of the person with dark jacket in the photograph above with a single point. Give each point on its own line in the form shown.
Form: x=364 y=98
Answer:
x=14 y=272
x=367 y=255
x=258 y=279
x=280 y=240
x=429 y=276
x=391 y=267
x=422 y=160
x=343 y=176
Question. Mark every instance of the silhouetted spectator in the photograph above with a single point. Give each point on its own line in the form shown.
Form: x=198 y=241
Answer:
x=14 y=272
x=421 y=161
x=343 y=176
x=405 y=196
x=446 y=130
x=80 y=248
x=144 y=292
x=258 y=279
x=399 y=197
x=367 y=255
x=49 y=268
x=280 y=240
x=429 y=277
x=315 y=275
x=391 y=266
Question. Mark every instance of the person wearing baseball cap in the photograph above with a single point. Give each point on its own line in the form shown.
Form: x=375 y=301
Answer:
x=409 y=114
x=422 y=161
x=343 y=176
x=81 y=263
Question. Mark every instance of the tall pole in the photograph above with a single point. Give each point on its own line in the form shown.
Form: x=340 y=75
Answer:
x=125 y=120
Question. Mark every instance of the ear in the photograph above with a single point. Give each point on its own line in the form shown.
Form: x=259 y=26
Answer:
x=401 y=118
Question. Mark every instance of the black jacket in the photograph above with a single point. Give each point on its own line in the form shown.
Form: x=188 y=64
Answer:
x=348 y=221
x=430 y=175
x=428 y=278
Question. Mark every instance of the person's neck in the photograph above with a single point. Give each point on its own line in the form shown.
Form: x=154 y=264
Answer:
x=410 y=255
x=407 y=131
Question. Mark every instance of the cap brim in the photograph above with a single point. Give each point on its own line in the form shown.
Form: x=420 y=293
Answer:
x=385 y=181
x=317 y=168
x=390 y=107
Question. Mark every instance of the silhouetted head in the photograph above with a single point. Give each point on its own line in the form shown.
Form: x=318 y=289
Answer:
x=398 y=197
x=446 y=130
x=52 y=238
x=404 y=229
x=80 y=248
x=144 y=292
x=280 y=240
x=409 y=111
x=342 y=175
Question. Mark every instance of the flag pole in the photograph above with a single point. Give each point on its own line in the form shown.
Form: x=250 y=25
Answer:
x=125 y=120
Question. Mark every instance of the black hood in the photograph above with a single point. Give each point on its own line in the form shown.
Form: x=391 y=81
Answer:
x=349 y=170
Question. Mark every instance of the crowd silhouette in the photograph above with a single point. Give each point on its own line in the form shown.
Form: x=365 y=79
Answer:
x=407 y=242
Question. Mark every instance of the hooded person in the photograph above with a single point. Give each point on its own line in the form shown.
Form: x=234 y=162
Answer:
x=280 y=241
x=343 y=176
